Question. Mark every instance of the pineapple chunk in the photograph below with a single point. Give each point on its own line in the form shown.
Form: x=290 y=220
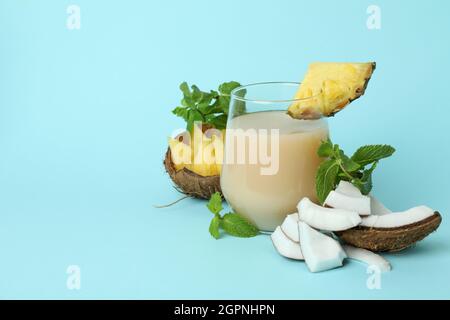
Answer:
x=202 y=155
x=329 y=87
x=181 y=153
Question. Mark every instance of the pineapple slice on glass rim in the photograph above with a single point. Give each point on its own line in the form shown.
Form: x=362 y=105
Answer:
x=329 y=87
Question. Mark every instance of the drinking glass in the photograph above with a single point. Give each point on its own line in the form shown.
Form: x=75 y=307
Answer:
x=270 y=159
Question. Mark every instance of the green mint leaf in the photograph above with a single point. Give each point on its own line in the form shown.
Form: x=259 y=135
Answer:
x=218 y=121
x=223 y=104
x=204 y=106
x=193 y=116
x=197 y=94
x=223 y=100
x=214 y=227
x=187 y=100
x=371 y=153
x=367 y=179
x=341 y=167
x=208 y=107
x=342 y=176
x=359 y=184
x=325 y=149
x=239 y=107
x=181 y=112
x=337 y=150
x=364 y=183
x=215 y=203
x=326 y=178
x=209 y=98
x=226 y=87
x=238 y=226
x=349 y=165
x=363 y=186
x=185 y=89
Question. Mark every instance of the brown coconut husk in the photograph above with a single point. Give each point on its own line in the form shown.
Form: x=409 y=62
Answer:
x=390 y=239
x=191 y=183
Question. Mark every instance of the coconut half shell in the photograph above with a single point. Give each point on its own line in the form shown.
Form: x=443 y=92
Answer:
x=191 y=183
x=391 y=239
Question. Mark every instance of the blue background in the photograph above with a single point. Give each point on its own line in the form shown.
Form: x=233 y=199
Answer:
x=84 y=117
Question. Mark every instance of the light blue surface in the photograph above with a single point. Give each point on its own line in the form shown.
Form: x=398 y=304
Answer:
x=84 y=117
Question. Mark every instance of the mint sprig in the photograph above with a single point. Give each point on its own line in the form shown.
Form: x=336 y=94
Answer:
x=357 y=169
x=326 y=178
x=210 y=108
x=232 y=223
x=372 y=153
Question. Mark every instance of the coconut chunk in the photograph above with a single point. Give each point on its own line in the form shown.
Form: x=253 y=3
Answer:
x=285 y=246
x=367 y=257
x=328 y=219
x=290 y=227
x=320 y=251
x=347 y=188
x=377 y=208
x=360 y=204
x=398 y=219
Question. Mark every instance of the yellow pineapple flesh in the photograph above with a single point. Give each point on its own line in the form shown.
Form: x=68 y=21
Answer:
x=202 y=154
x=329 y=87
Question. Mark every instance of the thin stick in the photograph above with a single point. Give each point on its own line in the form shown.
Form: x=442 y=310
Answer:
x=172 y=203
x=178 y=189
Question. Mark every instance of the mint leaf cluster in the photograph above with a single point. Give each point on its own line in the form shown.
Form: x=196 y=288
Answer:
x=356 y=169
x=211 y=108
x=232 y=223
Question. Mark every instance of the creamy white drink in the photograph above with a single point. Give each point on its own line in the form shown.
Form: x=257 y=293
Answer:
x=265 y=191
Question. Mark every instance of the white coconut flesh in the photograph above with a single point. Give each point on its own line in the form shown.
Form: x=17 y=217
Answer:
x=285 y=246
x=377 y=208
x=360 y=204
x=319 y=251
x=290 y=227
x=345 y=187
x=398 y=219
x=328 y=219
x=367 y=257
